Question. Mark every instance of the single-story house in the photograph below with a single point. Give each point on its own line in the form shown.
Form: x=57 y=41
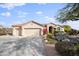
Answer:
x=33 y=28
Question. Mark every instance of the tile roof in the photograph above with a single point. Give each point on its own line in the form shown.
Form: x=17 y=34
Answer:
x=18 y=25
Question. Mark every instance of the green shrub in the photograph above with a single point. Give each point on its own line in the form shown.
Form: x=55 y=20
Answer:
x=67 y=28
x=50 y=36
x=50 y=39
x=56 y=32
x=73 y=32
x=77 y=49
x=65 y=48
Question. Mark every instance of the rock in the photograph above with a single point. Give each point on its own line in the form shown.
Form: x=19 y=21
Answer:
x=61 y=36
x=65 y=37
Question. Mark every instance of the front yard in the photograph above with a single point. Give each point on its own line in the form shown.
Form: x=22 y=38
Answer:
x=22 y=46
x=49 y=39
x=50 y=45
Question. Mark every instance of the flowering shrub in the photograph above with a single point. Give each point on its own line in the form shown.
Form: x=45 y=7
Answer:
x=44 y=31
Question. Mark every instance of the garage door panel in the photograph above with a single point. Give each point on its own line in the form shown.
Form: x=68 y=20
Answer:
x=32 y=32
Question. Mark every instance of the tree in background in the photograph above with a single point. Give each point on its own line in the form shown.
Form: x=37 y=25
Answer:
x=69 y=13
x=67 y=28
x=70 y=31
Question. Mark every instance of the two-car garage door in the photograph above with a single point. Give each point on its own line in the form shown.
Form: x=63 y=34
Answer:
x=31 y=32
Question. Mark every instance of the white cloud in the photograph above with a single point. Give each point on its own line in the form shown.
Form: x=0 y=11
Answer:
x=10 y=6
x=6 y=14
x=19 y=21
x=39 y=12
x=41 y=3
x=22 y=14
x=50 y=19
x=73 y=24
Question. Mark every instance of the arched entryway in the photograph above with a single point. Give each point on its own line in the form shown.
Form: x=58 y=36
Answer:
x=50 y=29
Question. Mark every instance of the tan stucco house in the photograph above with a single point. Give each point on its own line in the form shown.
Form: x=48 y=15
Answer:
x=33 y=28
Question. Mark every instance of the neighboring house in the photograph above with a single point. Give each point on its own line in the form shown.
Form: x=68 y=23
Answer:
x=59 y=28
x=33 y=28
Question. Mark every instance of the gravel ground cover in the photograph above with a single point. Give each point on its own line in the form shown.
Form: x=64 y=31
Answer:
x=21 y=46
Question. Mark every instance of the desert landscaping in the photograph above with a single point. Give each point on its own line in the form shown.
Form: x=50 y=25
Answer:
x=39 y=29
x=20 y=46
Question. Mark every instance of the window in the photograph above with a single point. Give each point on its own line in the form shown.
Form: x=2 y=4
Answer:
x=58 y=28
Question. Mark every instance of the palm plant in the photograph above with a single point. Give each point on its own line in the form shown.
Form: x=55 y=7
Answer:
x=69 y=12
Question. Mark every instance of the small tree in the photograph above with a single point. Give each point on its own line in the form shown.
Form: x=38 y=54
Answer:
x=67 y=28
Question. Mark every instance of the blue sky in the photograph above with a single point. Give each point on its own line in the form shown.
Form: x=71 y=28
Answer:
x=23 y=12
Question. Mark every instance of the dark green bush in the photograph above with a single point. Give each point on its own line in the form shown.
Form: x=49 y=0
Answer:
x=56 y=31
x=73 y=32
x=50 y=39
x=77 y=47
x=65 y=48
